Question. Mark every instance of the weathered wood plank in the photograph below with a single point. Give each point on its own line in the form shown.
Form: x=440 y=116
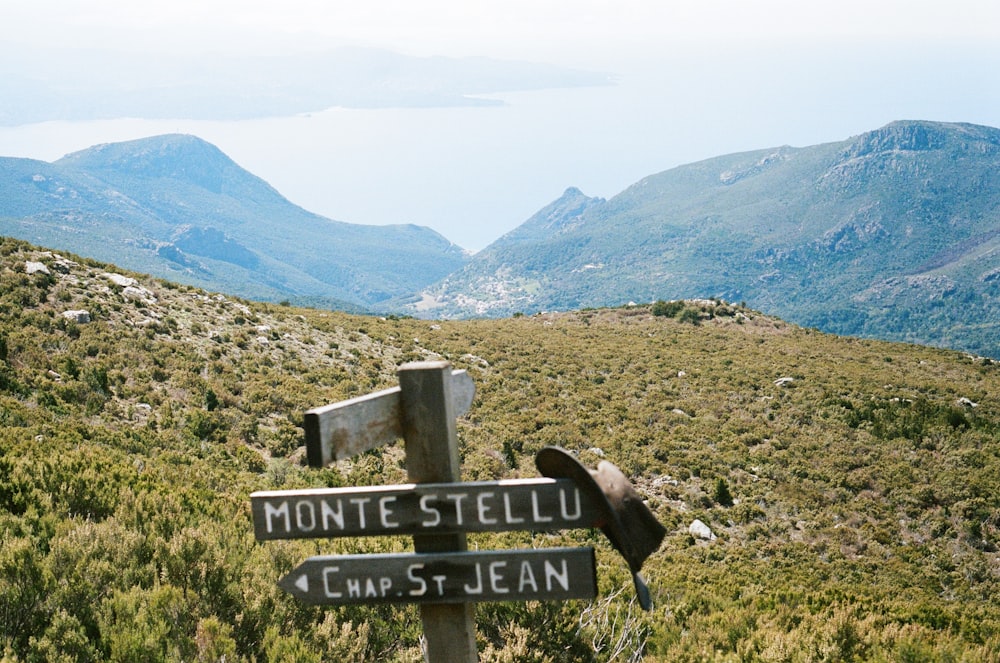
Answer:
x=429 y=431
x=555 y=574
x=348 y=428
x=428 y=508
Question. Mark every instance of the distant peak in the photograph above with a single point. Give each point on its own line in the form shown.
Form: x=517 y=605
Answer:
x=905 y=135
x=920 y=136
x=561 y=215
x=143 y=150
x=175 y=156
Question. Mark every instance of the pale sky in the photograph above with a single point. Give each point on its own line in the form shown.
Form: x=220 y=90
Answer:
x=504 y=28
x=698 y=79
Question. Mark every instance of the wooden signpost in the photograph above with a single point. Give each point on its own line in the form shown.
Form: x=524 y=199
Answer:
x=436 y=509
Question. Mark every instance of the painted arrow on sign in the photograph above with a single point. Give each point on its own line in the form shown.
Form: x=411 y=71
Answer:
x=348 y=428
x=553 y=574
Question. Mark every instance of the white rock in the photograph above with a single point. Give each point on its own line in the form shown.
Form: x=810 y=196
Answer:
x=700 y=530
x=665 y=479
x=80 y=316
x=32 y=267
x=783 y=382
x=120 y=279
x=61 y=264
x=138 y=293
x=475 y=359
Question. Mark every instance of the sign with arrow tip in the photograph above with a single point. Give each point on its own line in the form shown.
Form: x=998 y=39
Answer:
x=455 y=577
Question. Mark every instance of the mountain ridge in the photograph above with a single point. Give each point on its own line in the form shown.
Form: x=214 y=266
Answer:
x=178 y=207
x=872 y=233
x=892 y=233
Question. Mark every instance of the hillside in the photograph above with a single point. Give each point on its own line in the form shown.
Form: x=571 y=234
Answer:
x=850 y=484
x=891 y=234
x=177 y=207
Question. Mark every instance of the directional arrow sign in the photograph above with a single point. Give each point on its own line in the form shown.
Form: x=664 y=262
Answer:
x=426 y=508
x=347 y=428
x=458 y=577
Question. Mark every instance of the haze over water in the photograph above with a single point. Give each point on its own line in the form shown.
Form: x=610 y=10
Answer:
x=688 y=87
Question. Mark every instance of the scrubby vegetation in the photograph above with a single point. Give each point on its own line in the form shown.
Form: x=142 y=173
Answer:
x=851 y=485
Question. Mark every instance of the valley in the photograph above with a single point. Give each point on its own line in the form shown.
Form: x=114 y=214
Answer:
x=890 y=234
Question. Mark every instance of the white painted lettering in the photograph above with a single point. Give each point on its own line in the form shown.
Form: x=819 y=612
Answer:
x=478 y=589
x=482 y=508
x=508 y=516
x=384 y=585
x=430 y=510
x=536 y=514
x=327 y=572
x=439 y=580
x=527 y=577
x=271 y=512
x=457 y=499
x=562 y=578
x=305 y=516
x=496 y=576
x=384 y=512
x=370 y=589
x=562 y=505
x=354 y=588
x=416 y=579
x=361 y=502
x=327 y=513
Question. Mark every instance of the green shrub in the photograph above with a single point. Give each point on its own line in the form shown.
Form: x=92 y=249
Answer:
x=667 y=309
x=690 y=314
x=721 y=494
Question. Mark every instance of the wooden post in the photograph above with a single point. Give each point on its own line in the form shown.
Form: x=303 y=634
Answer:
x=432 y=456
x=443 y=576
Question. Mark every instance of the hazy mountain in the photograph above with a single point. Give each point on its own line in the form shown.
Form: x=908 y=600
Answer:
x=894 y=234
x=88 y=85
x=177 y=207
